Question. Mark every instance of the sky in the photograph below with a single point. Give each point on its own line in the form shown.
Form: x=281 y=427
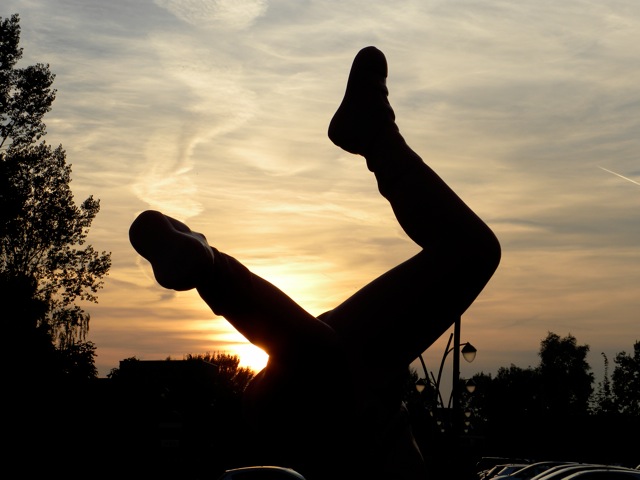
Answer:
x=216 y=111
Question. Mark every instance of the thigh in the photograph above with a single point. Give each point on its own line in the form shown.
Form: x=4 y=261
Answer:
x=262 y=313
x=401 y=313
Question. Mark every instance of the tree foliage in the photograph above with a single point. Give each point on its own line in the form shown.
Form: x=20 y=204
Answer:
x=233 y=377
x=44 y=258
x=626 y=381
x=560 y=385
x=602 y=400
x=25 y=93
x=540 y=411
x=567 y=382
x=515 y=392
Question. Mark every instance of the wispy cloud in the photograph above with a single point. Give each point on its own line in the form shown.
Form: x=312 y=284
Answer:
x=234 y=14
x=216 y=112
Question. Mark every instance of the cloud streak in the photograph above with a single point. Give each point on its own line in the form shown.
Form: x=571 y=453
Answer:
x=216 y=112
x=234 y=14
x=621 y=176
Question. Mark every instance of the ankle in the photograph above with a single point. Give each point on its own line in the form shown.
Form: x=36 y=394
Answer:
x=387 y=150
x=394 y=163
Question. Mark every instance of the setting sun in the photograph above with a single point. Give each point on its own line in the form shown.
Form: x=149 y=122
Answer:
x=251 y=356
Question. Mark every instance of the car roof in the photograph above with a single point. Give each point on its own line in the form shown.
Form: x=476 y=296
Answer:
x=261 y=472
x=562 y=471
x=605 y=474
x=527 y=471
x=485 y=463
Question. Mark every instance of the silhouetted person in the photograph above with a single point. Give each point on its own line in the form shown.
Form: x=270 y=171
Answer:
x=328 y=402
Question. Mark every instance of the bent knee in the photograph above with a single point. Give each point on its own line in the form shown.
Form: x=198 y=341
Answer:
x=490 y=252
x=477 y=252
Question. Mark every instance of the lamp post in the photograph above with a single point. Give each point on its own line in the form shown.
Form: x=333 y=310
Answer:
x=468 y=352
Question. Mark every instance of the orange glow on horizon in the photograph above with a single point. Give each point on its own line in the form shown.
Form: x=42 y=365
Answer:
x=250 y=356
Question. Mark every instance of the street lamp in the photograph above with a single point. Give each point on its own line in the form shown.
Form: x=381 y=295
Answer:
x=468 y=352
x=470 y=385
x=469 y=355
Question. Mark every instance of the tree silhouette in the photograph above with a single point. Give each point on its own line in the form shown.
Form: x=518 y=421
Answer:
x=177 y=418
x=231 y=376
x=602 y=401
x=626 y=381
x=25 y=93
x=567 y=382
x=46 y=267
x=541 y=411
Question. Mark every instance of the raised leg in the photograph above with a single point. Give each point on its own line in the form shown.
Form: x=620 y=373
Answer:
x=300 y=409
x=307 y=402
x=405 y=310
x=182 y=260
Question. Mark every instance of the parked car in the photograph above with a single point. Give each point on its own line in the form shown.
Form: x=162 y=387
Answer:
x=530 y=471
x=488 y=467
x=490 y=472
x=560 y=472
x=503 y=470
x=610 y=473
x=487 y=463
x=261 y=473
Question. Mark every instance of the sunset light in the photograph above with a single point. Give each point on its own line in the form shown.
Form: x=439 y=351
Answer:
x=320 y=240
x=251 y=356
x=219 y=117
